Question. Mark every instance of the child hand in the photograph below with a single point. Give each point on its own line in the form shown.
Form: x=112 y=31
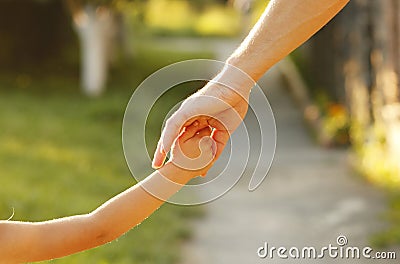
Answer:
x=194 y=150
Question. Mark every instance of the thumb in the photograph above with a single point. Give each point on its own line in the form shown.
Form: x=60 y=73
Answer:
x=170 y=132
x=208 y=150
x=220 y=137
x=208 y=146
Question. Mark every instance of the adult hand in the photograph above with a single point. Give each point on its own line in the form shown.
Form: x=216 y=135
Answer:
x=215 y=105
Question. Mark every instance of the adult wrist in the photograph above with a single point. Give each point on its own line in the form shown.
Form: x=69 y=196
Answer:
x=234 y=78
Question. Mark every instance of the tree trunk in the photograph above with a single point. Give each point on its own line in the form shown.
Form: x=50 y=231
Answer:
x=96 y=31
x=357 y=70
x=385 y=63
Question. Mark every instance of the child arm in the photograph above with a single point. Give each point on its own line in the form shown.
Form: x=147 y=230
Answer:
x=24 y=241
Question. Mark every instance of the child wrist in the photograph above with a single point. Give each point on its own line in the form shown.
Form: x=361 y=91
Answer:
x=175 y=173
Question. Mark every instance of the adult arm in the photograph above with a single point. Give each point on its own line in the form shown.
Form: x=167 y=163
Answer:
x=283 y=27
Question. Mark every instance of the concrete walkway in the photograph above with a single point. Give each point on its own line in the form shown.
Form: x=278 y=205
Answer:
x=309 y=198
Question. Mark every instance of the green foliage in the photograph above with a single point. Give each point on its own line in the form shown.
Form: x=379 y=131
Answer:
x=390 y=236
x=218 y=21
x=176 y=17
x=335 y=121
x=329 y=119
x=169 y=15
x=372 y=160
x=372 y=156
x=257 y=9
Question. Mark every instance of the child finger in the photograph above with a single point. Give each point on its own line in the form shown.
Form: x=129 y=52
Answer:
x=204 y=132
x=221 y=138
x=190 y=131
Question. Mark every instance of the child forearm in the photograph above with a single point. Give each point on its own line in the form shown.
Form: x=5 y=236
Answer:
x=134 y=205
x=27 y=242
x=126 y=210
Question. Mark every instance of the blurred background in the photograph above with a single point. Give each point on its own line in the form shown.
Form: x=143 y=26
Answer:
x=68 y=69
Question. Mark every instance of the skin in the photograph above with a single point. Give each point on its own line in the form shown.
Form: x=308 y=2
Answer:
x=36 y=241
x=283 y=27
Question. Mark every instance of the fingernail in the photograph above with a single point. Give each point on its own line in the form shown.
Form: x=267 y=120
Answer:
x=162 y=151
x=153 y=164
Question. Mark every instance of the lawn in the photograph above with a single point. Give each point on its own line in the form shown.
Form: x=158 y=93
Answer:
x=61 y=154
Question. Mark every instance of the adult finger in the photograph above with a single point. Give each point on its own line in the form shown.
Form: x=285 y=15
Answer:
x=170 y=132
x=204 y=132
x=190 y=131
x=159 y=156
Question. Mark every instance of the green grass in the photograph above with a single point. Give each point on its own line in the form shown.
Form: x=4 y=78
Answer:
x=390 y=236
x=372 y=161
x=61 y=154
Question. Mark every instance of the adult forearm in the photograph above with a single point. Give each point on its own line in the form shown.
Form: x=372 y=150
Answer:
x=283 y=27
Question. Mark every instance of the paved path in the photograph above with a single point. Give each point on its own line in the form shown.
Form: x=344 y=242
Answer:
x=309 y=198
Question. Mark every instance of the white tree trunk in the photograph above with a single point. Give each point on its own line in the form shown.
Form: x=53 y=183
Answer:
x=96 y=32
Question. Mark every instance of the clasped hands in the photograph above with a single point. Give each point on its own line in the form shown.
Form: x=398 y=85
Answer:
x=208 y=117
